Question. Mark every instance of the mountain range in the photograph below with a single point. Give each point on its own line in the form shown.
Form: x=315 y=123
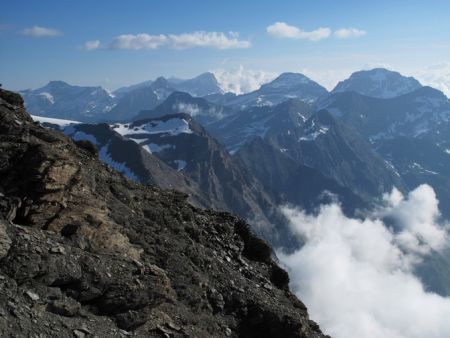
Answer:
x=289 y=142
x=95 y=104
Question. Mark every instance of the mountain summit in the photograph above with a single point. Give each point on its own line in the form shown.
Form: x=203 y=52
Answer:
x=378 y=82
x=202 y=85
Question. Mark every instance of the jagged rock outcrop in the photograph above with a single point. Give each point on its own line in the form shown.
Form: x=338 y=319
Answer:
x=85 y=252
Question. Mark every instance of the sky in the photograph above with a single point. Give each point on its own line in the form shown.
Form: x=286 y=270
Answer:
x=116 y=43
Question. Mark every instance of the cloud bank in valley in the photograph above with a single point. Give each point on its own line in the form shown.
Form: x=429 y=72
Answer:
x=356 y=275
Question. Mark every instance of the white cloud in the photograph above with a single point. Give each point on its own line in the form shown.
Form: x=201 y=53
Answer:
x=241 y=80
x=195 y=110
x=138 y=41
x=416 y=217
x=188 y=108
x=92 y=45
x=196 y=39
x=356 y=275
x=41 y=32
x=346 y=33
x=217 y=40
x=283 y=30
x=437 y=76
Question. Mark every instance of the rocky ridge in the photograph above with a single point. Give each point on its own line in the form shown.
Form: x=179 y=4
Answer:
x=84 y=252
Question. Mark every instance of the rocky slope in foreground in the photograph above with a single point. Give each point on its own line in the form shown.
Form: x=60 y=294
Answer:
x=84 y=252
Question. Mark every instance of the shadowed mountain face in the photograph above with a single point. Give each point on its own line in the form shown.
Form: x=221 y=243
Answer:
x=184 y=145
x=423 y=113
x=420 y=161
x=378 y=82
x=130 y=103
x=136 y=162
x=86 y=250
x=297 y=184
x=315 y=140
x=409 y=131
x=241 y=127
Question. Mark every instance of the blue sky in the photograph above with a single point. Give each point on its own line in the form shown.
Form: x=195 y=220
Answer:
x=45 y=40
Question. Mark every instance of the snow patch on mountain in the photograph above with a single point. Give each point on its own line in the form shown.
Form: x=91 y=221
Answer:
x=156 y=148
x=417 y=166
x=105 y=156
x=171 y=127
x=58 y=122
x=313 y=135
x=109 y=108
x=161 y=93
x=180 y=164
x=313 y=131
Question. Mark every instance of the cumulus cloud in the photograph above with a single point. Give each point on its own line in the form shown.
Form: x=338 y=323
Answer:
x=188 y=108
x=437 y=76
x=92 y=45
x=138 y=41
x=217 y=40
x=346 y=33
x=283 y=30
x=41 y=32
x=415 y=219
x=356 y=275
x=195 y=110
x=241 y=80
